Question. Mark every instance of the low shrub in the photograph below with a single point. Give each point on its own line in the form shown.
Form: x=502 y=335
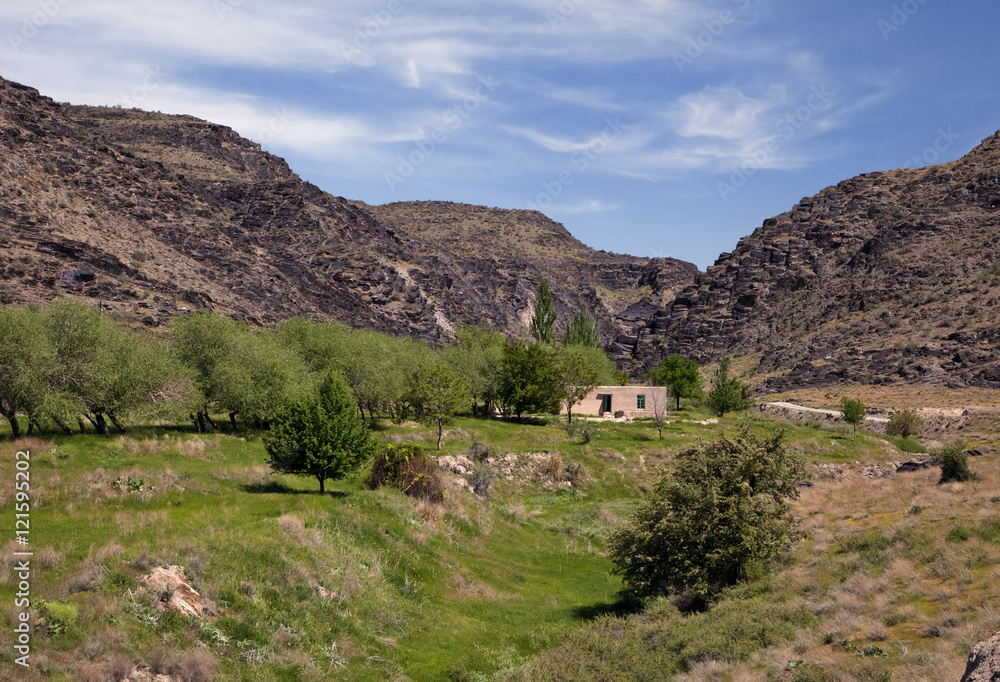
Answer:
x=954 y=463
x=480 y=451
x=408 y=468
x=904 y=423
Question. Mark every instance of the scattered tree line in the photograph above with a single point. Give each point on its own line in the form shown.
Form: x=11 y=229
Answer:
x=68 y=367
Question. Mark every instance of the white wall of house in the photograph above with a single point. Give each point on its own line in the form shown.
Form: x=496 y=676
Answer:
x=634 y=401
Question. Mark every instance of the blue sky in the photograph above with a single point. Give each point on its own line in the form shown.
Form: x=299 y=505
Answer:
x=650 y=127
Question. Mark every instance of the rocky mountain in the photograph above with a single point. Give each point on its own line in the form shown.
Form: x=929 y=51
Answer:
x=150 y=215
x=888 y=277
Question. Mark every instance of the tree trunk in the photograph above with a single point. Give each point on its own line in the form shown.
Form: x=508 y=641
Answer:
x=208 y=418
x=118 y=424
x=83 y=427
x=15 y=428
x=569 y=413
x=102 y=424
x=322 y=486
x=37 y=425
x=31 y=428
x=440 y=427
x=659 y=427
x=65 y=429
x=678 y=396
x=199 y=421
x=232 y=420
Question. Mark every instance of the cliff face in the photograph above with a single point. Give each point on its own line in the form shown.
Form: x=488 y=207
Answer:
x=887 y=277
x=151 y=215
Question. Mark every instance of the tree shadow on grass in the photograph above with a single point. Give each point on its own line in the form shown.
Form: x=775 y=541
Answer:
x=283 y=489
x=620 y=608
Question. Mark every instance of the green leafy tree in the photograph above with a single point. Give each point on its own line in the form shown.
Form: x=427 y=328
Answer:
x=853 y=412
x=321 y=435
x=237 y=371
x=904 y=423
x=102 y=369
x=436 y=393
x=720 y=509
x=545 y=316
x=582 y=331
x=681 y=375
x=528 y=381
x=26 y=359
x=728 y=394
x=576 y=375
x=477 y=354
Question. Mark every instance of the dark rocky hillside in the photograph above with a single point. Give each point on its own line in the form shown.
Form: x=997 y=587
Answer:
x=150 y=215
x=888 y=277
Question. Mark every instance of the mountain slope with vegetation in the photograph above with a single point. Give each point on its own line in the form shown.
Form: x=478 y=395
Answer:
x=886 y=278
x=150 y=215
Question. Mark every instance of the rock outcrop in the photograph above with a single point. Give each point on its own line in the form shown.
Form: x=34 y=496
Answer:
x=984 y=662
x=149 y=216
x=886 y=278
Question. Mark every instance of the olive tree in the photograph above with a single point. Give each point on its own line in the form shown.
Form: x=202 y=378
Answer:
x=576 y=375
x=436 y=393
x=853 y=412
x=26 y=359
x=721 y=507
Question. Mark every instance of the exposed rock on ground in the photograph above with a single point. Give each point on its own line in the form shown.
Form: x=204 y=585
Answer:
x=171 y=588
x=984 y=662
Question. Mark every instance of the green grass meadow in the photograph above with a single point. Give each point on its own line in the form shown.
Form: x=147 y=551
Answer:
x=361 y=584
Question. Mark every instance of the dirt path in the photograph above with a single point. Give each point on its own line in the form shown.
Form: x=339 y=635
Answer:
x=814 y=410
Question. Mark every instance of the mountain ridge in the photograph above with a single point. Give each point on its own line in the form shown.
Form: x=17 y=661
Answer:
x=151 y=215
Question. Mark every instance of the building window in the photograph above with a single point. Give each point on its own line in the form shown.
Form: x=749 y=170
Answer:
x=640 y=402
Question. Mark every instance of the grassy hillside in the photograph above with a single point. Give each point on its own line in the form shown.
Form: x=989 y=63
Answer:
x=372 y=585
